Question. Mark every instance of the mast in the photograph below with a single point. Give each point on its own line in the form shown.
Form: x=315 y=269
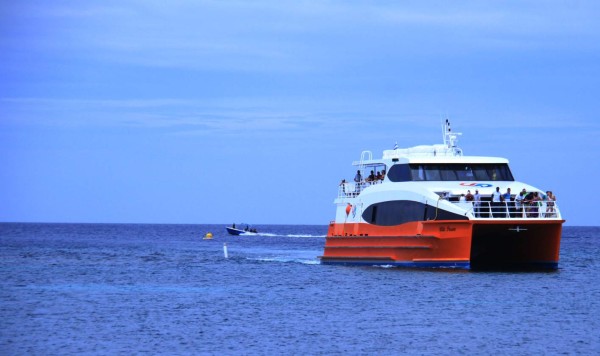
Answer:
x=451 y=139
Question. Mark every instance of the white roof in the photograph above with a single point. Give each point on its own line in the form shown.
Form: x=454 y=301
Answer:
x=448 y=152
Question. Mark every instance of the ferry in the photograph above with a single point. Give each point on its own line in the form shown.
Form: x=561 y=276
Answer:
x=433 y=207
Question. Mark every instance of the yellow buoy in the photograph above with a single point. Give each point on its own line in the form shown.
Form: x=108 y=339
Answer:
x=208 y=236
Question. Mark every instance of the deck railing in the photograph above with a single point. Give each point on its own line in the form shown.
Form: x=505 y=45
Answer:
x=483 y=210
x=351 y=190
x=511 y=210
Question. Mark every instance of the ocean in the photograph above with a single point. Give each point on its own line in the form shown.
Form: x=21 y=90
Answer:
x=162 y=289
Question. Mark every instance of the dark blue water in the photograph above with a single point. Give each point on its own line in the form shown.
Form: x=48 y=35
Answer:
x=121 y=289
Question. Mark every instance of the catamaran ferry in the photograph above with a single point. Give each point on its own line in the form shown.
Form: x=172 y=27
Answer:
x=432 y=206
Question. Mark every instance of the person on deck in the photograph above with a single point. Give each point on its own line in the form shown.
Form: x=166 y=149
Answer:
x=550 y=212
x=358 y=179
x=528 y=204
x=477 y=204
x=497 y=204
x=371 y=177
x=510 y=205
x=519 y=204
x=469 y=196
x=535 y=205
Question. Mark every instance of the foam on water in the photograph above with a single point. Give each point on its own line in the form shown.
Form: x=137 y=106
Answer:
x=286 y=260
x=286 y=235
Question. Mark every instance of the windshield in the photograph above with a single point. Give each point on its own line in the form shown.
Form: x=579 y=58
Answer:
x=450 y=172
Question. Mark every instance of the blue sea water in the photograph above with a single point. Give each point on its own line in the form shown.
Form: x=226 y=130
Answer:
x=162 y=289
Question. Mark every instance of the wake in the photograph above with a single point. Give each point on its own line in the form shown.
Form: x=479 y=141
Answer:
x=285 y=235
x=286 y=260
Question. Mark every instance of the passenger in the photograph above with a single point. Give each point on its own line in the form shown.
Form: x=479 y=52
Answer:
x=550 y=212
x=542 y=203
x=506 y=196
x=383 y=175
x=528 y=204
x=510 y=205
x=371 y=177
x=519 y=204
x=358 y=177
x=462 y=199
x=233 y=225
x=497 y=211
x=379 y=176
x=477 y=204
x=469 y=196
x=535 y=203
x=524 y=201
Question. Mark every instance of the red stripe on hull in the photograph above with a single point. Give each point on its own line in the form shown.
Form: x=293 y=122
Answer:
x=480 y=243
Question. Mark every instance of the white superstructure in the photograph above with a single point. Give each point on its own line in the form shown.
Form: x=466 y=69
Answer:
x=428 y=182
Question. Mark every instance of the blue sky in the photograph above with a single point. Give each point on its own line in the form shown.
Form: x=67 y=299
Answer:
x=223 y=111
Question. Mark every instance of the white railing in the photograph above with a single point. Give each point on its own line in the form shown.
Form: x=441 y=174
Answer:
x=483 y=210
x=511 y=210
x=351 y=190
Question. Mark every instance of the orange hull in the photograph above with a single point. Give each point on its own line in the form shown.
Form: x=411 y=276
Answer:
x=451 y=243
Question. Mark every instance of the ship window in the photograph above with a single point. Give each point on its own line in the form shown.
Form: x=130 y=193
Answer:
x=396 y=212
x=418 y=174
x=448 y=173
x=465 y=173
x=400 y=173
x=460 y=172
x=432 y=172
x=480 y=173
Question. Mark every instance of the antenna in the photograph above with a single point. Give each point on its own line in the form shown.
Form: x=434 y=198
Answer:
x=446 y=132
x=451 y=139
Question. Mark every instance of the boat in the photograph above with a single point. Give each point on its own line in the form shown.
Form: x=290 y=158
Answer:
x=232 y=230
x=415 y=213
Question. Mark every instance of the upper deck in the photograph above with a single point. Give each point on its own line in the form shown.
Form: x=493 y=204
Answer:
x=443 y=174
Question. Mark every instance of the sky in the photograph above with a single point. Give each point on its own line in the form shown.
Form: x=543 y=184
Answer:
x=210 y=112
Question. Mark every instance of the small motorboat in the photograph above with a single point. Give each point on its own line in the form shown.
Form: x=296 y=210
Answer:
x=232 y=230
